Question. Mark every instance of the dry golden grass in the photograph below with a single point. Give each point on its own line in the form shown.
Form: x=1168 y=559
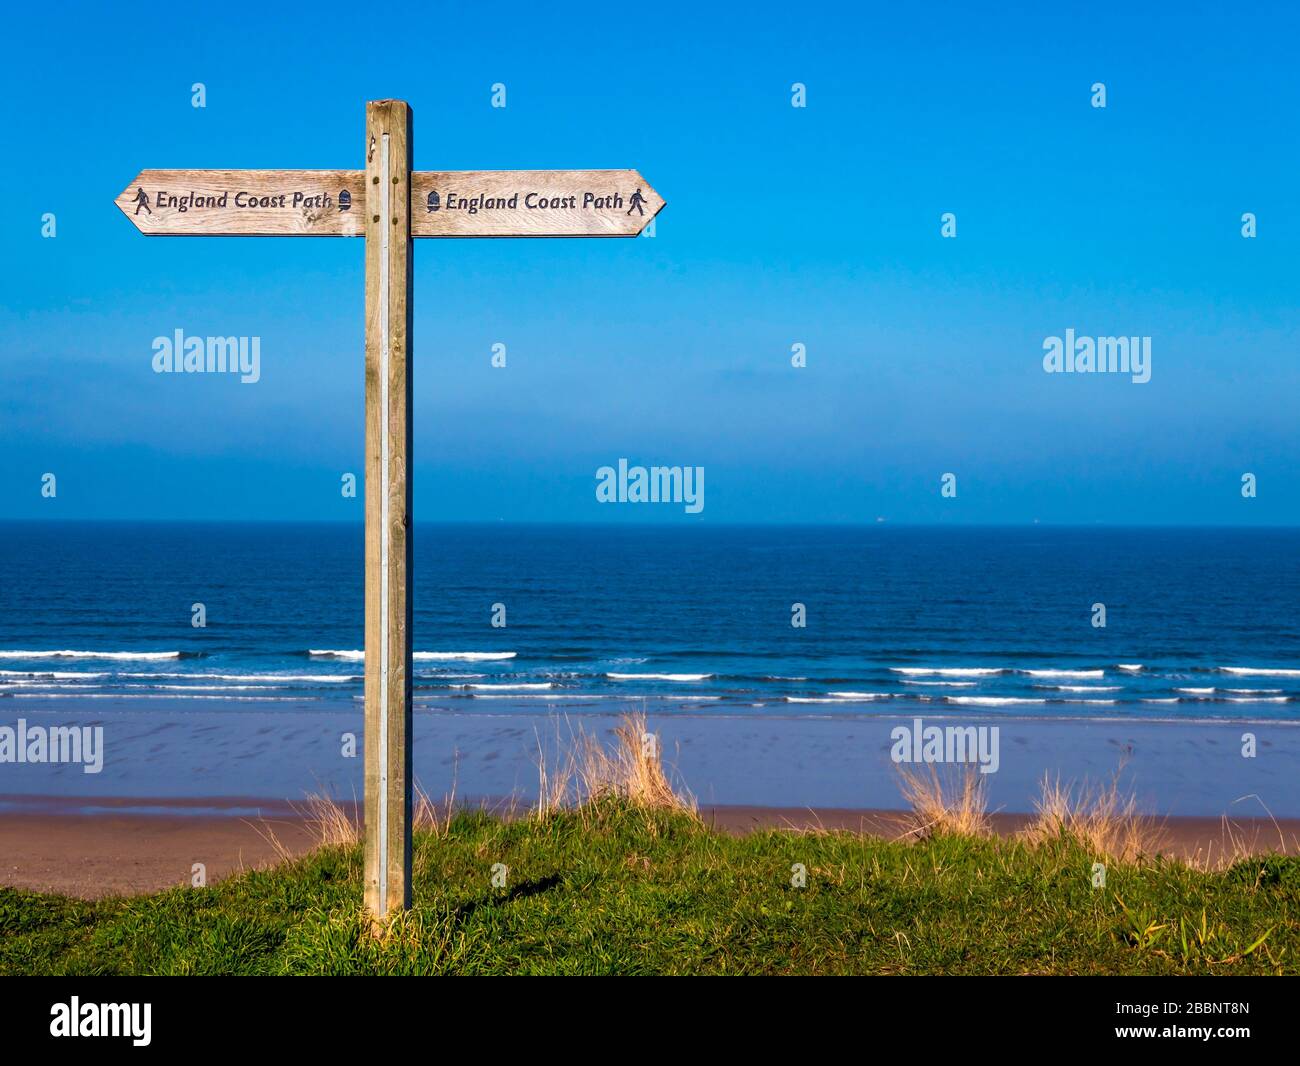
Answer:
x=631 y=770
x=328 y=820
x=1100 y=816
x=583 y=772
x=436 y=817
x=1237 y=842
x=943 y=800
x=332 y=822
x=554 y=780
x=954 y=801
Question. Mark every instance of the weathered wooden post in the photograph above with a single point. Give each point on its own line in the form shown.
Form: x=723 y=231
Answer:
x=388 y=507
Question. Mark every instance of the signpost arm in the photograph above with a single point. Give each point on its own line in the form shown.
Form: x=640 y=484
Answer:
x=388 y=507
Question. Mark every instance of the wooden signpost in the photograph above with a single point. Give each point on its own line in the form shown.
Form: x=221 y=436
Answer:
x=389 y=204
x=333 y=203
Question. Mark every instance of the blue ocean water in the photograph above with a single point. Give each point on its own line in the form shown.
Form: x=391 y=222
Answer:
x=1200 y=623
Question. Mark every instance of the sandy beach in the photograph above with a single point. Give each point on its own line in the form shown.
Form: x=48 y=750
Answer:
x=96 y=855
x=54 y=845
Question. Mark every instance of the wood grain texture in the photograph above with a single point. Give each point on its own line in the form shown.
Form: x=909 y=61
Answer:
x=532 y=203
x=466 y=203
x=388 y=506
x=246 y=203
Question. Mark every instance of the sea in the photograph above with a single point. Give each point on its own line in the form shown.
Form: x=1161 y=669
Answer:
x=1143 y=623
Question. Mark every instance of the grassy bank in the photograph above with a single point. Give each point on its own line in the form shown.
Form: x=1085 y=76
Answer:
x=614 y=873
x=618 y=888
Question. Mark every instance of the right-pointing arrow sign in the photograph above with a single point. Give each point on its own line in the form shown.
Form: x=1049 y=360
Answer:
x=531 y=203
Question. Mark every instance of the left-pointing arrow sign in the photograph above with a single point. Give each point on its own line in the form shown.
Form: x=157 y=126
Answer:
x=245 y=203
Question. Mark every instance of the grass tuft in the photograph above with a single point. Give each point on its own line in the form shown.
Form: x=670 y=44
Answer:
x=1101 y=817
x=952 y=802
x=632 y=770
x=328 y=820
x=587 y=772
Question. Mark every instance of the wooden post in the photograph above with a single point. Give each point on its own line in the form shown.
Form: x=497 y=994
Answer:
x=388 y=507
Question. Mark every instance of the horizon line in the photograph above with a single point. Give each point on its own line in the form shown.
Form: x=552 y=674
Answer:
x=662 y=524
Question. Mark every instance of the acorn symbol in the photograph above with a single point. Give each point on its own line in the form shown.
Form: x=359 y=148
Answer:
x=345 y=201
x=434 y=202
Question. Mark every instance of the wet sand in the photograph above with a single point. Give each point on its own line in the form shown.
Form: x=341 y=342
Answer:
x=52 y=845
x=183 y=749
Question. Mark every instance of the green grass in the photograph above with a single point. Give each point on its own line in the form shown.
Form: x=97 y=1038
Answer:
x=619 y=890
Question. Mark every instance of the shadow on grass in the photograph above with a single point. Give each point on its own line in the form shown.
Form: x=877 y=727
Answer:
x=523 y=890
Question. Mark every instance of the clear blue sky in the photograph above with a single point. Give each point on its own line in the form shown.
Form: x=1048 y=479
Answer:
x=817 y=225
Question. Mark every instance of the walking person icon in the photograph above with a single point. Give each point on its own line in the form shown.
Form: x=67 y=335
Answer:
x=637 y=200
x=142 y=200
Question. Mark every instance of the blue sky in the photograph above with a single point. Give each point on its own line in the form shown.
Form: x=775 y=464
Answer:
x=818 y=225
